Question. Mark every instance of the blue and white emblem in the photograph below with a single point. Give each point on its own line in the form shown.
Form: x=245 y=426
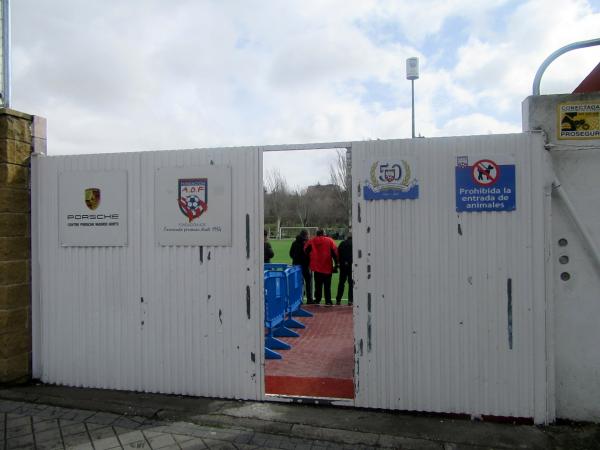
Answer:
x=391 y=180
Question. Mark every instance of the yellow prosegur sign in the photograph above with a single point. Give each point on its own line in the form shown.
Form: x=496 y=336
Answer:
x=579 y=120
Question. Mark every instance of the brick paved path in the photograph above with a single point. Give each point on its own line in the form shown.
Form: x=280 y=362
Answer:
x=26 y=425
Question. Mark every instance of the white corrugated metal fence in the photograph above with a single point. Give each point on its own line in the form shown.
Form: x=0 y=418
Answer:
x=450 y=307
x=147 y=317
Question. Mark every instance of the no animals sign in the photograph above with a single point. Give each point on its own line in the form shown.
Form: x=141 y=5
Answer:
x=484 y=186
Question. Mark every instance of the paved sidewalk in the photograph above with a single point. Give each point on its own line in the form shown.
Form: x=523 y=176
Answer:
x=48 y=417
x=25 y=425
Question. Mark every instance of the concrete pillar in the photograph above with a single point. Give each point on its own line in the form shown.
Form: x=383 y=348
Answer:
x=575 y=232
x=16 y=145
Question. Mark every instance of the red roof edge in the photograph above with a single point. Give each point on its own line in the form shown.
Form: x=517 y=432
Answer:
x=591 y=83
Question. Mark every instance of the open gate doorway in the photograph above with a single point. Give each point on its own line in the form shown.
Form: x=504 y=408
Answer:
x=309 y=348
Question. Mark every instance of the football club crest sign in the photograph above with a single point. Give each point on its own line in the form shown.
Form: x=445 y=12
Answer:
x=192 y=197
x=391 y=180
x=92 y=198
x=187 y=221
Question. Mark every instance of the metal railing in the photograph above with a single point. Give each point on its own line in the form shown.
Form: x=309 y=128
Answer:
x=556 y=54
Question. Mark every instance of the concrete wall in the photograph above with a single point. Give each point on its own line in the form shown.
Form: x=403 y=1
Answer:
x=16 y=144
x=576 y=276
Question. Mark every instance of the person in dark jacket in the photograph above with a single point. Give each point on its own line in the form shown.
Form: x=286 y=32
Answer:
x=299 y=258
x=345 y=257
x=269 y=253
x=323 y=254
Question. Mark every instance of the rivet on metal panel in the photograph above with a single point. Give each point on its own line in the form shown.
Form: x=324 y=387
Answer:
x=212 y=163
x=247 y=236
x=565 y=276
x=358 y=212
x=201 y=254
x=248 y=301
x=509 y=312
x=208 y=297
x=141 y=299
x=368 y=268
x=459 y=230
x=368 y=229
x=470 y=280
x=563 y=259
x=563 y=242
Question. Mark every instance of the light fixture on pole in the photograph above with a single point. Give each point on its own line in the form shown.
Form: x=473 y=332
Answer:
x=412 y=74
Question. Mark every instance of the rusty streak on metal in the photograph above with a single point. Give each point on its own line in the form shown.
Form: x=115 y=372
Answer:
x=369 y=334
x=509 y=312
x=248 y=302
x=247 y=236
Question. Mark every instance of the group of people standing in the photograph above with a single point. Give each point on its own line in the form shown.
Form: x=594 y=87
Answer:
x=320 y=257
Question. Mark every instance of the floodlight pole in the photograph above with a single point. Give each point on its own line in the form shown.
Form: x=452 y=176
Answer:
x=5 y=53
x=412 y=85
x=412 y=74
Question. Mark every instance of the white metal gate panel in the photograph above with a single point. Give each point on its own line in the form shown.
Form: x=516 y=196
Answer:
x=201 y=304
x=433 y=287
x=88 y=305
x=144 y=317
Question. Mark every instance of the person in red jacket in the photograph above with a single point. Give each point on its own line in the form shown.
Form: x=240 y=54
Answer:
x=323 y=254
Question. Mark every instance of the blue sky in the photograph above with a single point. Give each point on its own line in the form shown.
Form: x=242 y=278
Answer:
x=115 y=76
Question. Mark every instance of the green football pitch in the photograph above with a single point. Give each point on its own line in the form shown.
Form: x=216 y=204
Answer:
x=281 y=248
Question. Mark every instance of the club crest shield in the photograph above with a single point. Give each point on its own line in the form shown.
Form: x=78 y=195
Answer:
x=92 y=198
x=192 y=198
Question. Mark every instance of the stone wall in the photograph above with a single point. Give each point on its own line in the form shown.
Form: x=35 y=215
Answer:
x=15 y=246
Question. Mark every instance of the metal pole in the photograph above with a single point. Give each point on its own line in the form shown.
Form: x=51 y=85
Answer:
x=556 y=54
x=412 y=85
x=6 y=53
x=590 y=244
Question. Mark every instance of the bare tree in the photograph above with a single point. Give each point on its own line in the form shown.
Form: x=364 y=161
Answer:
x=339 y=173
x=302 y=205
x=277 y=194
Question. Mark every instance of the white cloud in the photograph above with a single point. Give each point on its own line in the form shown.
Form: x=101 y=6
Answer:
x=476 y=124
x=116 y=76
